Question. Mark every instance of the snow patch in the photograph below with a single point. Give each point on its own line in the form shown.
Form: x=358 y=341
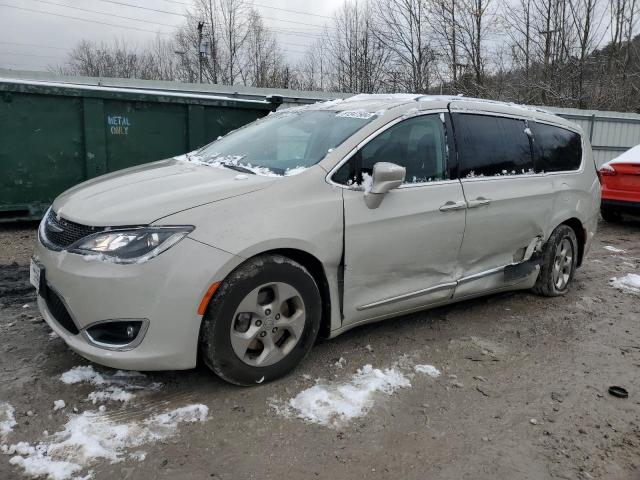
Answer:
x=217 y=160
x=58 y=405
x=337 y=403
x=614 y=249
x=80 y=374
x=115 y=387
x=294 y=171
x=112 y=394
x=7 y=418
x=91 y=436
x=367 y=182
x=428 y=370
x=630 y=282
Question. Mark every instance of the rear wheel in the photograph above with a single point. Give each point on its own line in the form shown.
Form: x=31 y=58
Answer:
x=559 y=261
x=609 y=214
x=262 y=321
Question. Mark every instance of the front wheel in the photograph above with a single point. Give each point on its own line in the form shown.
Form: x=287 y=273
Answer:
x=559 y=261
x=262 y=321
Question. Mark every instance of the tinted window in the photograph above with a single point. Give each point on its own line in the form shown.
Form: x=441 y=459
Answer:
x=489 y=146
x=556 y=149
x=418 y=144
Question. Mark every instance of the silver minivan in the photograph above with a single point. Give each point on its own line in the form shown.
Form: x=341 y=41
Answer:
x=310 y=222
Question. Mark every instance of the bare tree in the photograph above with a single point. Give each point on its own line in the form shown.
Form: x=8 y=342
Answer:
x=264 y=62
x=473 y=30
x=357 y=57
x=444 y=22
x=586 y=26
x=119 y=59
x=402 y=27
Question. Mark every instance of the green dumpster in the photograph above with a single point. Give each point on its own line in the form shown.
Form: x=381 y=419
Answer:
x=55 y=135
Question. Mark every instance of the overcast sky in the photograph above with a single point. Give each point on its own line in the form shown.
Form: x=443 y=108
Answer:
x=32 y=40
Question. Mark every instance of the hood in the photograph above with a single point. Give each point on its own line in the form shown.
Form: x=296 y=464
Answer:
x=140 y=195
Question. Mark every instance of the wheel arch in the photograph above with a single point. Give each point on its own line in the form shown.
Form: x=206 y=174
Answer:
x=317 y=271
x=577 y=226
x=315 y=268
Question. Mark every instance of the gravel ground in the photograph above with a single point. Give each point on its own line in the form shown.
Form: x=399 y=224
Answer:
x=522 y=395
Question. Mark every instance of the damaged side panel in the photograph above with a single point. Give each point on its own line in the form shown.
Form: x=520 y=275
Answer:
x=402 y=254
x=501 y=232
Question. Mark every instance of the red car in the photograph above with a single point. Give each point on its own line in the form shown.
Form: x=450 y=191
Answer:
x=620 y=180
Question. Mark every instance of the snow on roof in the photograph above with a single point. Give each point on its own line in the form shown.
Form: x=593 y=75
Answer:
x=630 y=156
x=379 y=103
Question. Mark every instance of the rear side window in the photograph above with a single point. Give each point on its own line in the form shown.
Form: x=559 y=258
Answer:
x=492 y=146
x=556 y=149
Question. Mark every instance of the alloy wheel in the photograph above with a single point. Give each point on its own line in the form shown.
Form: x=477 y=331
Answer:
x=563 y=264
x=267 y=324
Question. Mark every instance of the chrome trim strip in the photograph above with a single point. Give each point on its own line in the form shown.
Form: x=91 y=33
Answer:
x=115 y=347
x=437 y=288
x=408 y=296
x=479 y=275
x=457 y=107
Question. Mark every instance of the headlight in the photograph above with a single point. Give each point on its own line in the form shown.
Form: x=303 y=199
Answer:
x=136 y=245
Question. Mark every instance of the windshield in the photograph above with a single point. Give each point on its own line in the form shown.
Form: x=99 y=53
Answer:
x=283 y=143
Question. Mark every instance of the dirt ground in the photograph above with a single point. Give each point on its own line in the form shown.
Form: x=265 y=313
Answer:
x=523 y=394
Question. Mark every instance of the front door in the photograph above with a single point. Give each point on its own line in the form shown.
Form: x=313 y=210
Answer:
x=403 y=254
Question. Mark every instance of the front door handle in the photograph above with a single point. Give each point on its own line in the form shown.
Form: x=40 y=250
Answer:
x=453 y=206
x=478 y=202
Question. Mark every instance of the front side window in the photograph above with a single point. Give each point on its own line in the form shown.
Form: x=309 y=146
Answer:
x=418 y=144
x=282 y=142
x=556 y=149
x=492 y=146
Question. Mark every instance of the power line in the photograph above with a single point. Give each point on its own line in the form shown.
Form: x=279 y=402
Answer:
x=33 y=45
x=25 y=55
x=288 y=10
x=81 y=19
x=293 y=11
x=114 y=2
x=167 y=12
x=21 y=65
x=103 y=13
x=315 y=25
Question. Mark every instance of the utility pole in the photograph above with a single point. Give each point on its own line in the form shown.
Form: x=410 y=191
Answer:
x=201 y=49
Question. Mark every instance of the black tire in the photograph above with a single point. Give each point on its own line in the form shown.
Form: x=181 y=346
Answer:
x=609 y=214
x=545 y=284
x=215 y=335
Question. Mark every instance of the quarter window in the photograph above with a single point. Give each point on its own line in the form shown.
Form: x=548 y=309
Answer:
x=418 y=144
x=556 y=149
x=492 y=146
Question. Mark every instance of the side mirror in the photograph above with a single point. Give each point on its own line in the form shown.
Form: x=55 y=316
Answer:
x=386 y=177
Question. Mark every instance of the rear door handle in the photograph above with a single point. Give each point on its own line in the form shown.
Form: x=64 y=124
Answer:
x=478 y=202
x=453 y=206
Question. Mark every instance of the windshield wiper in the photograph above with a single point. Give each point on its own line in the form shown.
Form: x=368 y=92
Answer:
x=238 y=168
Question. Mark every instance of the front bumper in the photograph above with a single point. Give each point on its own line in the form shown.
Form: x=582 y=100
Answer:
x=166 y=290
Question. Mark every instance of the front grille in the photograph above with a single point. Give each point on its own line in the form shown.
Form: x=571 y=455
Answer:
x=59 y=311
x=61 y=233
